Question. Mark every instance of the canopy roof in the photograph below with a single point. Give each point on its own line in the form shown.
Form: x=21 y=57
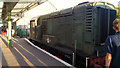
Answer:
x=17 y=7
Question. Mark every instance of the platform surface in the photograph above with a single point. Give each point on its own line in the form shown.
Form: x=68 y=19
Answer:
x=23 y=54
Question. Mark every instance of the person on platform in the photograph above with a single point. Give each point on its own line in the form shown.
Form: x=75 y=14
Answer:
x=4 y=30
x=112 y=47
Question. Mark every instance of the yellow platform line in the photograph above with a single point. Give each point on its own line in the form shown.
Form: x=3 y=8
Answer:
x=15 y=39
x=9 y=57
x=31 y=54
x=0 y=54
x=25 y=59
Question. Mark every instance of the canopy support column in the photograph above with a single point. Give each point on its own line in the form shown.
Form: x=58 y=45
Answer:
x=9 y=30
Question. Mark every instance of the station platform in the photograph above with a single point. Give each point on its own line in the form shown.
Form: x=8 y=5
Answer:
x=24 y=53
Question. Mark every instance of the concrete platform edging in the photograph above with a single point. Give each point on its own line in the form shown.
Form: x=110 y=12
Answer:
x=67 y=64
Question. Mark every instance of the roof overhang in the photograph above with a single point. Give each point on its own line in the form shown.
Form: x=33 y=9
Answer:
x=7 y=7
x=18 y=7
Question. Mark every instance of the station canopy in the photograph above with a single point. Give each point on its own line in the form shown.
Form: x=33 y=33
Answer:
x=19 y=7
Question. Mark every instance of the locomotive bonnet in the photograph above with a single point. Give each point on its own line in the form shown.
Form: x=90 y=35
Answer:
x=82 y=28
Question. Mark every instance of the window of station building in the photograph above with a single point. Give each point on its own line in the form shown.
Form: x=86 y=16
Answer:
x=33 y=23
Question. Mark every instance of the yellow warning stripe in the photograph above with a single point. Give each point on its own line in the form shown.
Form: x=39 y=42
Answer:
x=25 y=59
x=31 y=54
x=9 y=57
x=15 y=39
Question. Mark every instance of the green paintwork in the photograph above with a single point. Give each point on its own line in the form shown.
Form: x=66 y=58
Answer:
x=86 y=24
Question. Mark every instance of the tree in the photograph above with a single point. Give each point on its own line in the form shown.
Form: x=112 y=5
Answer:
x=118 y=12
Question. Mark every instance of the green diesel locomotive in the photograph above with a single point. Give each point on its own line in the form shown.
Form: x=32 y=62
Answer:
x=81 y=29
